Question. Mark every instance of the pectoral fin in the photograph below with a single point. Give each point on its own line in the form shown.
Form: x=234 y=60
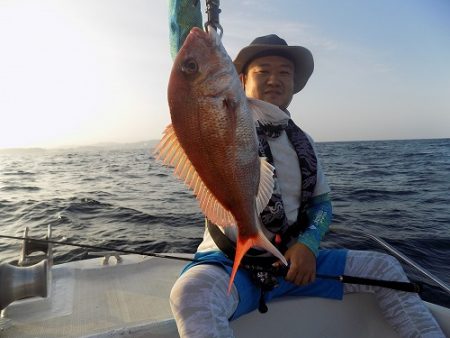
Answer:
x=170 y=151
x=266 y=184
x=267 y=113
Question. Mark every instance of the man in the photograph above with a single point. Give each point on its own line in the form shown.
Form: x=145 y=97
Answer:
x=296 y=218
x=273 y=72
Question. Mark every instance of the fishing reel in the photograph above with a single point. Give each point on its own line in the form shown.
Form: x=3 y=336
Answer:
x=265 y=277
x=31 y=276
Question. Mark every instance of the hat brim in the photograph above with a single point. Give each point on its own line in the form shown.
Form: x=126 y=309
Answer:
x=300 y=56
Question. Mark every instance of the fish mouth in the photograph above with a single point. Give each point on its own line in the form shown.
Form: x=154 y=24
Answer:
x=198 y=32
x=210 y=37
x=195 y=34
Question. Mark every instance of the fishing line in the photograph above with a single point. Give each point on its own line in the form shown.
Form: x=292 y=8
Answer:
x=97 y=247
x=402 y=286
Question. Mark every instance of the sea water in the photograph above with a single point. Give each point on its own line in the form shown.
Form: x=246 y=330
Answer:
x=121 y=197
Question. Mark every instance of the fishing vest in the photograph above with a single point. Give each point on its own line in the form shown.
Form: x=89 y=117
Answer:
x=273 y=216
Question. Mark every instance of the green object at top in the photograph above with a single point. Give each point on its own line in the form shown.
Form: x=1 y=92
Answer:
x=183 y=16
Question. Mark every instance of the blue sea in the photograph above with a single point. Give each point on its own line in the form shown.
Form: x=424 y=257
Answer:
x=121 y=197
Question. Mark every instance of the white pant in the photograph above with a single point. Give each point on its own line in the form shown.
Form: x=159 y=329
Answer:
x=202 y=307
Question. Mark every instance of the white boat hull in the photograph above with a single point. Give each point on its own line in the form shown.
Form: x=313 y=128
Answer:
x=130 y=299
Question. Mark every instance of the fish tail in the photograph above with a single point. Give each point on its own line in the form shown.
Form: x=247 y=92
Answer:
x=244 y=244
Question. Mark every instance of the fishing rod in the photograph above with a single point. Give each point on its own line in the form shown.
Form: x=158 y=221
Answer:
x=396 y=285
x=402 y=286
x=95 y=247
x=394 y=252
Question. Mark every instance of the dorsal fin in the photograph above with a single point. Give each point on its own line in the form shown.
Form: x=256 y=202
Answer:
x=170 y=151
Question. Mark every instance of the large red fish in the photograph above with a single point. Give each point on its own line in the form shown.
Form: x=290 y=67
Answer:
x=212 y=140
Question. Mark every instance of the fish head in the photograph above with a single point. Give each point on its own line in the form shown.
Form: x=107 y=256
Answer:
x=202 y=68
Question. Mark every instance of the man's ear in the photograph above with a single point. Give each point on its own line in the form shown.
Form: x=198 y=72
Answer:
x=242 y=78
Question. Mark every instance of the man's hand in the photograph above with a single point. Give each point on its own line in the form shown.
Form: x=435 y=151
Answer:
x=302 y=261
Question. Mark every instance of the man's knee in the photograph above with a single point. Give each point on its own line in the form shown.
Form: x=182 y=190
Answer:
x=178 y=290
x=199 y=282
x=392 y=267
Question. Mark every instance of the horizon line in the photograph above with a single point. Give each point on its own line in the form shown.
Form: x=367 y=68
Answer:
x=152 y=143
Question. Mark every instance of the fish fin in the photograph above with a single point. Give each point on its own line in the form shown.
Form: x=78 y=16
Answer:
x=171 y=153
x=243 y=244
x=266 y=113
x=266 y=183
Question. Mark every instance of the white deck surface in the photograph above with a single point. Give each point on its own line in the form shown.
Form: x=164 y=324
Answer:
x=131 y=300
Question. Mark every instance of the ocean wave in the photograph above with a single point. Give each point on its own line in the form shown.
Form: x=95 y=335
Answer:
x=18 y=173
x=126 y=199
x=14 y=188
x=367 y=194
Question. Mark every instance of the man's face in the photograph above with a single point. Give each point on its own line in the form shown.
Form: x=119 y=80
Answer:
x=271 y=79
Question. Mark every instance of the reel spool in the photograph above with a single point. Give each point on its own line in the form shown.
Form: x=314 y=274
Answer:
x=23 y=282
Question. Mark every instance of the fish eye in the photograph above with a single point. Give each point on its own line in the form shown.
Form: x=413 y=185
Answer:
x=189 y=66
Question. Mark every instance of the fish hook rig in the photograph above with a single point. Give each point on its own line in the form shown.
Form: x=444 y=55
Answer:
x=213 y=11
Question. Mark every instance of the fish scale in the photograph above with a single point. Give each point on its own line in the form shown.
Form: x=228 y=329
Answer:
x=212 y=141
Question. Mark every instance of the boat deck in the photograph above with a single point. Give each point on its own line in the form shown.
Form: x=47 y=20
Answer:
x=88 y=298
x=130 y=299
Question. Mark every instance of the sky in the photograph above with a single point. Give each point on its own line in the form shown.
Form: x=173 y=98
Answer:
x=82 y=72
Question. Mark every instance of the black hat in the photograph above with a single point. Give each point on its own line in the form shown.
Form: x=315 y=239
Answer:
x=274 y=45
